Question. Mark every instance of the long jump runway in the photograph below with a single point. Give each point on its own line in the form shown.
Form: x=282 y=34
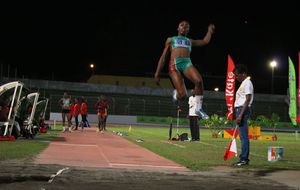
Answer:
x=91 y=149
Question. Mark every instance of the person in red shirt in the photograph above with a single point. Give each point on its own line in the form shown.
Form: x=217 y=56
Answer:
x=84 y=113
x=76 y=112
x=70 y=115
x=102 y=107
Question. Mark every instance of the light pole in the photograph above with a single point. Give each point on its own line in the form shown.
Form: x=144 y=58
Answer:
x=273 y=64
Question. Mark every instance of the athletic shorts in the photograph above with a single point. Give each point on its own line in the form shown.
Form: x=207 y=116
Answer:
x=180 y=64
x=65 y=111
x=102 y=114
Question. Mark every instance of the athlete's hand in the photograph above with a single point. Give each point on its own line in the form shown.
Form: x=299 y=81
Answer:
x=211 y=28
x=157 y=79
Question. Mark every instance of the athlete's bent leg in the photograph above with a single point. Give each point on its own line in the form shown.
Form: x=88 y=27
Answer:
x=192 y=74
x=179 y=85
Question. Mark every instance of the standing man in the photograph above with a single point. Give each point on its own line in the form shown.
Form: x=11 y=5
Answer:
x=242 y=104
x=65 y=107
x=194 y=126
x=102 y=107
x=84 y=114
x=76 y=112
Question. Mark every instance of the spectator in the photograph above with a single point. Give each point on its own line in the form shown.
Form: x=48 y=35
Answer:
x=65 y=107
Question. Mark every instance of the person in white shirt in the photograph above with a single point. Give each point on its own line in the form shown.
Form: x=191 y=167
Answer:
x=65 y=107
x=242 y=104
x=194 y=126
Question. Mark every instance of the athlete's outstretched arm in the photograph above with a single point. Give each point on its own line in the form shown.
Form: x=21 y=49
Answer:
x=162 y=60
x=207 y=37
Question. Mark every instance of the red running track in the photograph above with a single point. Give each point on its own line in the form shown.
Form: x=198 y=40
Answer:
x=107 y=150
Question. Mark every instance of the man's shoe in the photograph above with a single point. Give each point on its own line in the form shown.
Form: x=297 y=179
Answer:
x=242 y=163
x=202 y=114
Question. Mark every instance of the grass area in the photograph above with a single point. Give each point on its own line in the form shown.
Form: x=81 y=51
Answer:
x=209 y=151
x=27 y=148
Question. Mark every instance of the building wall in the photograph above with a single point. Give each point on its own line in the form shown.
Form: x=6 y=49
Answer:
x=129 y=81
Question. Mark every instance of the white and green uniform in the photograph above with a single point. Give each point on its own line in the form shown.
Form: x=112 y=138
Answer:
x=181 y=63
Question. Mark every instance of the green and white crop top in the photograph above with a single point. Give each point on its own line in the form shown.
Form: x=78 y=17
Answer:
x=181 y=42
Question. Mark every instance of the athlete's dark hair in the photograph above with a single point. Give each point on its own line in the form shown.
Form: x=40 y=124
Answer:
x=184 y=21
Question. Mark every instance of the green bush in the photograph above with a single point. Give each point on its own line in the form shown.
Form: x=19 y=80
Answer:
x=164 y=120
x=215 y=123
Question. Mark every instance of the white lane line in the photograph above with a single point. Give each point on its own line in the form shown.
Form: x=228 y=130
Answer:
x=178 y=145
x=149 y=166
x=104 y=156
x=68 y=144
x=208 y=144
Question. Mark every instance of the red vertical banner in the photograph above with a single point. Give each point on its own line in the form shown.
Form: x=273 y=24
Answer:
x=298 y=91
x=230 y=88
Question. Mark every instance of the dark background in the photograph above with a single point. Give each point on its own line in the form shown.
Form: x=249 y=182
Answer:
x=58 y=42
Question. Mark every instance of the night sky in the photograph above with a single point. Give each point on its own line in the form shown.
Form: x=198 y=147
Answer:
x=128 y=39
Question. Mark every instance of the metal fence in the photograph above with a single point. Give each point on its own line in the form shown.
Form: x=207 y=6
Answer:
x=157 y=106
x=122 y=104
x=126 y=100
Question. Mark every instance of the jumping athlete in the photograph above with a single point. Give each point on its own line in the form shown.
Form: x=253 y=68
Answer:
x=180 y=63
